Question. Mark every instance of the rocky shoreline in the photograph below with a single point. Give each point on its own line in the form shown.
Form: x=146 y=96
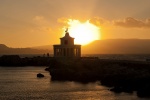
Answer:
x=121 y=76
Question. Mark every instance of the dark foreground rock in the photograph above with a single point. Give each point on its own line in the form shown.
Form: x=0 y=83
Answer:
x=123 y=76
x=120 y=75
x=144 y=91
x=47 y=69
x=40 y=75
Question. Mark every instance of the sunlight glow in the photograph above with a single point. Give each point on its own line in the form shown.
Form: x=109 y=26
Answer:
x=84 y=33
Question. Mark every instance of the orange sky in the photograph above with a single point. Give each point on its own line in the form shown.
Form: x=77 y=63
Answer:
x=27 y=23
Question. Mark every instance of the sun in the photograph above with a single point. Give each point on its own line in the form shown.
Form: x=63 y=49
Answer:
x=84 y=33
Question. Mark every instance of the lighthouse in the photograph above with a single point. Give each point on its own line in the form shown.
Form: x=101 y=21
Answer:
x=67 y=48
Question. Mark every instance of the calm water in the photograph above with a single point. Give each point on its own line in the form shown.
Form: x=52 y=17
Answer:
x=21 y=83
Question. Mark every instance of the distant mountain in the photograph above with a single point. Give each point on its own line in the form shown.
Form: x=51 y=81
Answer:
x=45 y=47
x=113 y=46
x=109 y=46
x=7 y=50
x=2 y=46
x=118 y=46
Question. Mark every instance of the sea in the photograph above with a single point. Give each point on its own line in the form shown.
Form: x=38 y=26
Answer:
x=21 y=83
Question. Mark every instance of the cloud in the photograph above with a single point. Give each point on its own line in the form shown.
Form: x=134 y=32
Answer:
x=62 y=20
x=42 y=24
x=40 y=20
x=130 y=22
x=99 y=21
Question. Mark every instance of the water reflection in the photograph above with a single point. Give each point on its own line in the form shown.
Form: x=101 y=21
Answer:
x=22 y=83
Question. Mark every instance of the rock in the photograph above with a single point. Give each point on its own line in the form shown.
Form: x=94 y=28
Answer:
x=116 y=89
x=144 y=92
x=40 y=75
x=47 y=69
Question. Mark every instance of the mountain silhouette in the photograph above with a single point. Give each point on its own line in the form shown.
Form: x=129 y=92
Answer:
x=109 y=46
x=113 y=46
x=7 y=50
x=118 y=46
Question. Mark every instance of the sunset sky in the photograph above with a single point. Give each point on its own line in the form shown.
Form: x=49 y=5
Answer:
x=27 y=23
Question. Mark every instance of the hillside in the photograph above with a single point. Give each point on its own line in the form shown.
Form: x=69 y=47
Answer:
x=7 y=50
x=118 y=46
x=113 y=46
x=109 y=46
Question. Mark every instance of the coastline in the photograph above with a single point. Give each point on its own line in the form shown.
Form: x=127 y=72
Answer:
x=120 y=75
